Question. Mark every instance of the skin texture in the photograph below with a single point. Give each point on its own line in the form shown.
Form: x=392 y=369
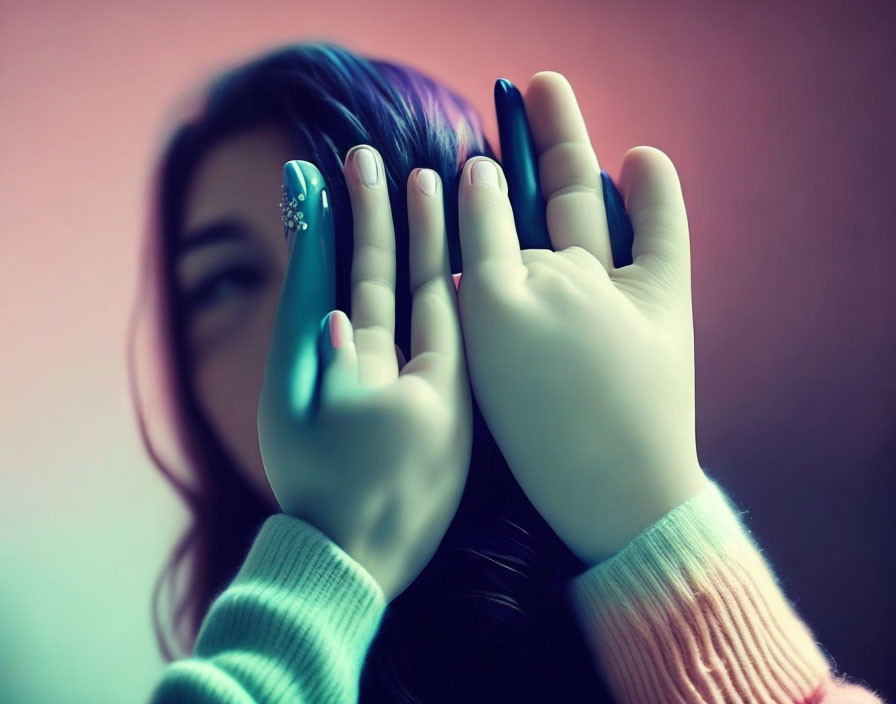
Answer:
x=381 y=465
x=596 y=419
x=608 y=368
x=230 y=332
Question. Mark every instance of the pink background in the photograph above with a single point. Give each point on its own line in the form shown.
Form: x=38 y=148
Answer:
x=780 y=121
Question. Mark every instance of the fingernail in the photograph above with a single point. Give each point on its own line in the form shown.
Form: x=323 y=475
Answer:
x=333 y=335
x=340 y=332
x=484 y=173
x=426 y=179
x=293 y=193
x=366 y=167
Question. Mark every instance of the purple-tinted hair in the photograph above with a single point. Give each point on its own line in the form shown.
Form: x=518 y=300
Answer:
x=486 y=620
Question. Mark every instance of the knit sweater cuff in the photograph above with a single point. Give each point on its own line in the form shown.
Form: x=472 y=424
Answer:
x=691 y=606
x=305 y=611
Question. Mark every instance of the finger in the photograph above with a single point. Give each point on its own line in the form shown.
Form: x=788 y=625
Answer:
x=436 y=341
x=488 y=237
x=520 y=164
x=655 y=203
x=373 y=267
x=339 y=359
x=308 y=291
x=568 y=168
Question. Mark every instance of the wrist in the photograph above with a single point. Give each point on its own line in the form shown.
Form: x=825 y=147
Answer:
x=650 y=505
x=695 y=587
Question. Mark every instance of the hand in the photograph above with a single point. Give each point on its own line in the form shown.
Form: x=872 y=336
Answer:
x=584 y=372
x=374 y=456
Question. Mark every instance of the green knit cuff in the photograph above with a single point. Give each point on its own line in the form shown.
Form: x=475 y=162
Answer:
x=301 y=608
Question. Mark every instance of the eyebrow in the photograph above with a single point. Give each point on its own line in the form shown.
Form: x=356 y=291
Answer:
x=215 y=232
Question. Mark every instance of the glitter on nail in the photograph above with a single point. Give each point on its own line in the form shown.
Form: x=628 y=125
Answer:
x=290 y=215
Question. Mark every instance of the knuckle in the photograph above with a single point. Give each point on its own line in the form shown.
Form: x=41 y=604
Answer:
x=569 y=163
x=434 y=288
x=551 y=276
x=578 y=255
x=373 y=285
x=382 y=334
x=375 y=254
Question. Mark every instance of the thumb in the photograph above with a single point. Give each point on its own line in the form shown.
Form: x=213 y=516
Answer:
x=485 y=219
x=308 y=291
x=338 y=358
x=655 y=204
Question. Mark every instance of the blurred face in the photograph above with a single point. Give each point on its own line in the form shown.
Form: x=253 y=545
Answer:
x=230 y=269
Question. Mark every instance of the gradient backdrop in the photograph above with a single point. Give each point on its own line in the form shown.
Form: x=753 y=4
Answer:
x=780 y=120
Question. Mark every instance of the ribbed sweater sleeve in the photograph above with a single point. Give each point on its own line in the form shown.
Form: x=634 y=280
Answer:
x=691 y=612
x=294 y=625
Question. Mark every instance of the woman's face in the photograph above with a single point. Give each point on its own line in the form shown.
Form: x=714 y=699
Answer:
x=230 y=268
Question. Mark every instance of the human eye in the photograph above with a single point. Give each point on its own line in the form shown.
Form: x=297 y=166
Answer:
x=227 y=284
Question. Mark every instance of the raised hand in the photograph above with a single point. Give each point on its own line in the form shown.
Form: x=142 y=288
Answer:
x=373 y=455
x=584 y=372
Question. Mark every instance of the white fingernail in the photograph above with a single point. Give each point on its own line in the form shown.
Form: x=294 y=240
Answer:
x=366 y=167
x=426 y=179
x=484 y=173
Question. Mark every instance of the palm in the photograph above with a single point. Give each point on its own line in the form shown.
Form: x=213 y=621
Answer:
x=583 y=372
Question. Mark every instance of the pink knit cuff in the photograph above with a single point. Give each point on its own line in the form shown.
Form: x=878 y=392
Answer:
x=690 y=611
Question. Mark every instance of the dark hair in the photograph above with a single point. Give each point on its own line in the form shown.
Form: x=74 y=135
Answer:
x=487 y=619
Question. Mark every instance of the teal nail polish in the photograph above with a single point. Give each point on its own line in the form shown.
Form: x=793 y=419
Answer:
x=309 y=284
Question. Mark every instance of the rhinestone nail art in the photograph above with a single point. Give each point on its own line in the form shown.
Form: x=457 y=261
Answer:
x=290 y=215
